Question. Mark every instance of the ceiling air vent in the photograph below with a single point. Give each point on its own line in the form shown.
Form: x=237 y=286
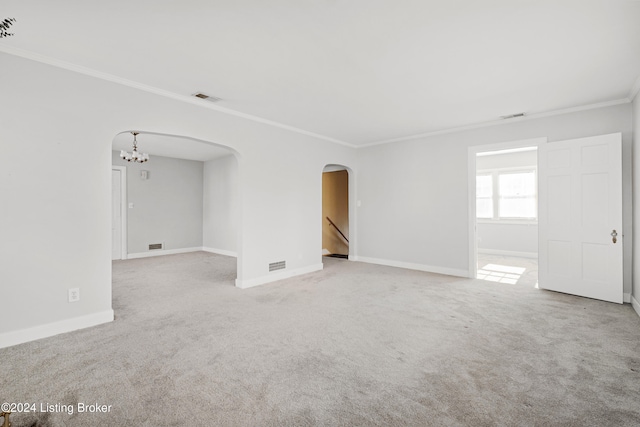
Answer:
x=153 y=246
x=512 y=116
x=280 y=265
x=207 y=97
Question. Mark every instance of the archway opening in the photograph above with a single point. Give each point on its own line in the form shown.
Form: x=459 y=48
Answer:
x=335 y=212
x=184 y=200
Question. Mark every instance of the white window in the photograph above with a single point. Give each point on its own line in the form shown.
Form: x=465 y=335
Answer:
x=507 y=194
x=517 y=195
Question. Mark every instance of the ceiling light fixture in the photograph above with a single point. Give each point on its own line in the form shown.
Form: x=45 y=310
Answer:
x=134 y=156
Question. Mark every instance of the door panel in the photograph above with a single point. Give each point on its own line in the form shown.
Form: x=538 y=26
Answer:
x=580 y=204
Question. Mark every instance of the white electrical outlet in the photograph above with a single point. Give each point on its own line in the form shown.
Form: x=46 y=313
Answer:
x=74 y=294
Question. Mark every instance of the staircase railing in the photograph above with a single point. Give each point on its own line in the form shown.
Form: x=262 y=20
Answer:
x=336 y=227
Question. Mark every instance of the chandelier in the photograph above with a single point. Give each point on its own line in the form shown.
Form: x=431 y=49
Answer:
x=134 y=156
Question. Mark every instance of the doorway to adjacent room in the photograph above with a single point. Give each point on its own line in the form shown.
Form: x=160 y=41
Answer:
x=335 y=212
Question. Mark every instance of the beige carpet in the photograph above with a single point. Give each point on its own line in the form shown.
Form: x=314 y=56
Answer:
x=353 y=345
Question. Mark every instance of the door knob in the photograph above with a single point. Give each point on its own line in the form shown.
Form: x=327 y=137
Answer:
x=614 y=236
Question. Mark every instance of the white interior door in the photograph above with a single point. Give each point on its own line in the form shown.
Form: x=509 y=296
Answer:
x=580 y=213
x=116 y=215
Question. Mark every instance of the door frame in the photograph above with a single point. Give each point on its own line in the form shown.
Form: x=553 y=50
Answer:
x=353 y=202
x=471 y=174
x=123 y=209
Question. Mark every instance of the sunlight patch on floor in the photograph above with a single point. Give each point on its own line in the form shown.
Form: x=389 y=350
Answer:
x=500 y=273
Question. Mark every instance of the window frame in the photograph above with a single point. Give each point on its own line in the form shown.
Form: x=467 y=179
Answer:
x=491 y=198
x=495 y=181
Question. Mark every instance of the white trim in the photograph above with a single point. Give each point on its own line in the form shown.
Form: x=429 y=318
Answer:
x=160 y=252
x=507 y=151
x=501 y=122
x=20 y=336
x=511 y=169
x=626 y=297
x=220 y=251
x=471 y=190
x=508 y=221
x=635 y=304
x=507 y=145
x=334 y=168
x=508 y=253
x=157 y=91
x=634 y=90
x=471 y=207
x=123 y=209
x=414 y=266
x=275 y=276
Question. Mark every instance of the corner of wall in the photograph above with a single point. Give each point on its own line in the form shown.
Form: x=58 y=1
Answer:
x=635 y=304
x=635 y=184
x=262 y=280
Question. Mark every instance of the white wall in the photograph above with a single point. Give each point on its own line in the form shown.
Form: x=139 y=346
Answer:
x=220 y=225
x=55 y=190
x=416 y=212
x=55 y=181
x=507 y=237
x=636 y=203
x=167 y=207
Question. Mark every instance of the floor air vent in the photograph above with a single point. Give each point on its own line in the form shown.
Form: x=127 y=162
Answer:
x=280 y=265
x=153 y=246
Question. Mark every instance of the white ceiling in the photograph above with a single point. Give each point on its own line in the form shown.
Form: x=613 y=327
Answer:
x=170 y=146
x=359 y=71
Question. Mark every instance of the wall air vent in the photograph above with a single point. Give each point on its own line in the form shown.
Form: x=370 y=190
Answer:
x=512 y=116
x=280 y=265
x=207 y=97
x=154 y=246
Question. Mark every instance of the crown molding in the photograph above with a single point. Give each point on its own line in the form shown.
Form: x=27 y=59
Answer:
x=634 y=89
x=500 y=122
x=157 y=91
x=198 y=102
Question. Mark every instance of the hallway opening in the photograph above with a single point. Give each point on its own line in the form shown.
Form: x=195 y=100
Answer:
x=335 y=211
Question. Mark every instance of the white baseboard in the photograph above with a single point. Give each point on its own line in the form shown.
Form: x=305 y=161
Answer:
x=626 y=297
x=275 y=276
x=220 y=251
x=160 y=252
x=412 y=266
x=635 y=304
x=8 y=339
x=508 y=253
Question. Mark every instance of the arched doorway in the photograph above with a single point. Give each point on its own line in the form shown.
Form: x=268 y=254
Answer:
x=184 y=199
x=335 y=211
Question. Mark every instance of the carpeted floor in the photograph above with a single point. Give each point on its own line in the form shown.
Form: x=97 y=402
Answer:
x=352 y=345
x=508 y=269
